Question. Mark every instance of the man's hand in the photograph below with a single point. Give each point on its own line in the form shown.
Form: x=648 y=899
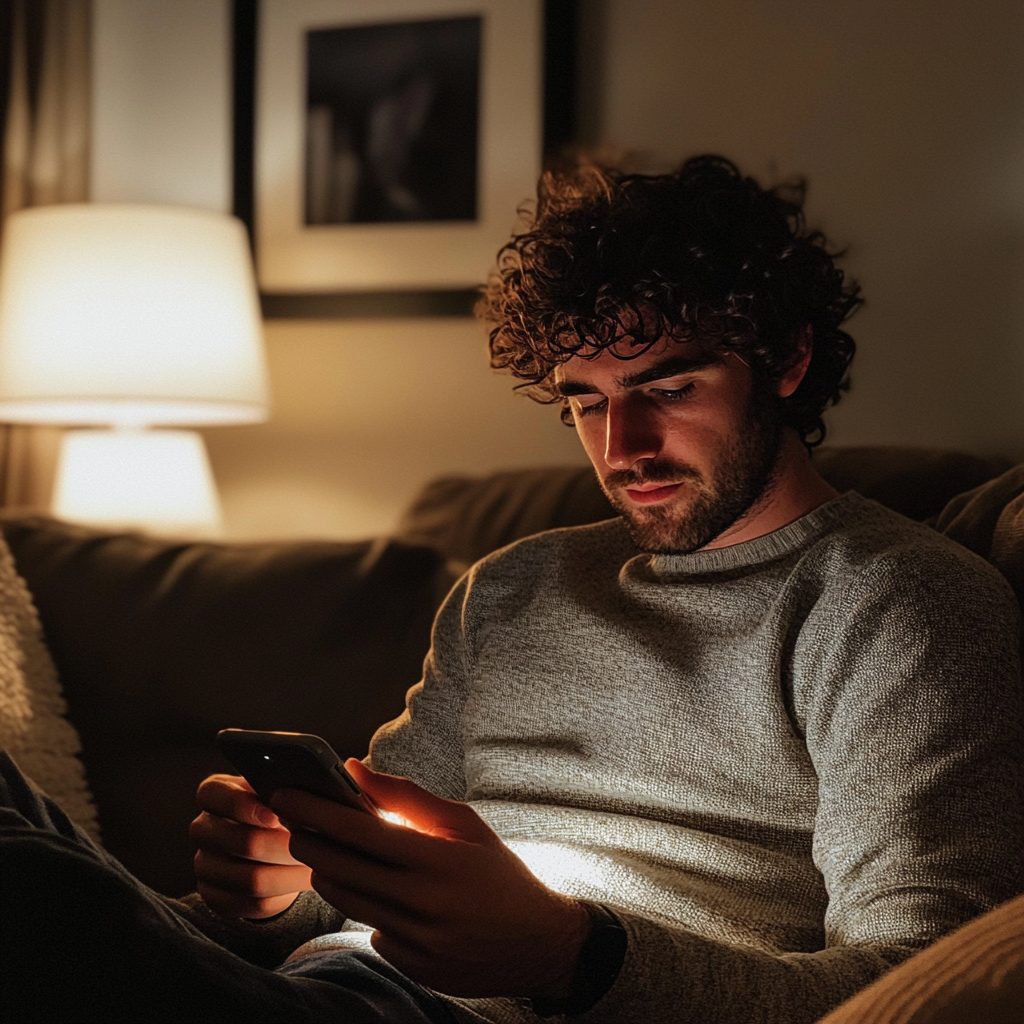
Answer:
x=452 y=907
x=243 y=867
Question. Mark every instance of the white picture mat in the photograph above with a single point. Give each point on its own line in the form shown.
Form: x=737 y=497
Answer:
x=358 y=257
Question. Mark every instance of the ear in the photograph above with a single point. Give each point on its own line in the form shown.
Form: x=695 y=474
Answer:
x=797 y=369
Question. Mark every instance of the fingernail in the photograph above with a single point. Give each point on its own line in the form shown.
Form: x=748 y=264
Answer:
x=265 y=816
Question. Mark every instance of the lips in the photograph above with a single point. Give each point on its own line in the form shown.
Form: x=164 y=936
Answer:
x=650 y=495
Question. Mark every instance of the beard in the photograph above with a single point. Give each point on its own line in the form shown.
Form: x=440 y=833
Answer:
x=742 y=476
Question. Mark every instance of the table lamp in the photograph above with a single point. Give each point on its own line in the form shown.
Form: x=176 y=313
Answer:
x=130 y=317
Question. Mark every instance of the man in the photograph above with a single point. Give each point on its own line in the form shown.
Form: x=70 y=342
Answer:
x=727 y=758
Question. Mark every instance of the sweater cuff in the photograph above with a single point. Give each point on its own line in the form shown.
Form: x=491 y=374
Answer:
x=600 y=961
x=266 y=942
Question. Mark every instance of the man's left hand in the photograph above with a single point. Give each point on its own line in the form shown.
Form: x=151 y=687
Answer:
x=453 y=908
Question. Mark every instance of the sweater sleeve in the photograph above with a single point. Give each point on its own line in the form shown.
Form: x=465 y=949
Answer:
x=913 y=723
x=916 y=731
x=425 y=742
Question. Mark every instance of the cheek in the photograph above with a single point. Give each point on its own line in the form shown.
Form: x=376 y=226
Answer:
x=591 y=432
x=692 y=438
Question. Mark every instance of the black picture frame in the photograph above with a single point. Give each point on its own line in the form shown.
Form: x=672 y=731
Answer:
x=559 y=130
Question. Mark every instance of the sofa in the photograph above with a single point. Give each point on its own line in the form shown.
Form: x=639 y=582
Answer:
x=160 y=643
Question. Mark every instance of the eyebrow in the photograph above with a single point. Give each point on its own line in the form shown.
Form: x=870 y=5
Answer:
x=670 y=366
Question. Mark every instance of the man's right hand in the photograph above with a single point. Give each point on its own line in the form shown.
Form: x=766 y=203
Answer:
x=243 y=867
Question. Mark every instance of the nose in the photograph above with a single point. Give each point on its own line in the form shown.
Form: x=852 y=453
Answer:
x=631 y=435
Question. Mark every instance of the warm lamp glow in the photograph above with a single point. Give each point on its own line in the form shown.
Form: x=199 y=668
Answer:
x=131 y=315
x=131 y=479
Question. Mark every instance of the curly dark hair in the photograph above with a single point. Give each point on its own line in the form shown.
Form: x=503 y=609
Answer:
x=704 y=252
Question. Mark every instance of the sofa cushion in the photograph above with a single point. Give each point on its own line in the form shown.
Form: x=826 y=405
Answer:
x=161 y=644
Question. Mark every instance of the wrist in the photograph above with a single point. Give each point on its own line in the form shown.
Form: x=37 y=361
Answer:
x=597 y=964
x=566 y=947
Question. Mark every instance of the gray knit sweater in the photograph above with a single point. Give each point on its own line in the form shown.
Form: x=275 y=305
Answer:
x=786 y=764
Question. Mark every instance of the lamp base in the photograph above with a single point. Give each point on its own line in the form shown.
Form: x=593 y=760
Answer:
x=159 y=481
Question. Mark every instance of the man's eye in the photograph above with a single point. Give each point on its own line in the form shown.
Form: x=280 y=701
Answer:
x=591 y=408
x=674 y=394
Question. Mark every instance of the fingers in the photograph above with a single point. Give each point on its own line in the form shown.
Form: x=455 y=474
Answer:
x=236 y=887
x=231 y=904
x=243 y=867
x=230 y=838
x=420 y=810
x=411 y=898
x=230 y=796
x=360 y=833
x=364 y=889
x=377 y=912
x=424 y=815
x=450 y=904
x=245 y=878
x=368 y=868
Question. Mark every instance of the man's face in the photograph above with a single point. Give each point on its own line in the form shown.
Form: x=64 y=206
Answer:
x=683 y=441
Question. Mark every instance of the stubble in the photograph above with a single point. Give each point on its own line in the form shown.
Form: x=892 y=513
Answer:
x=741 y=480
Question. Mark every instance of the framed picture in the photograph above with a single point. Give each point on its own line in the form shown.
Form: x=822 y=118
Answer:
x=393 y=141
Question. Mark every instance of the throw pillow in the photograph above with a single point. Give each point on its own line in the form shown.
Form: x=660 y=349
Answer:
x=33 y=728
x=990 y=521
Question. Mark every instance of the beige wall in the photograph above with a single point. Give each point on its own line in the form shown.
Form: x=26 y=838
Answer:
x=365 y=413
x=161 y=102
x=907 y=116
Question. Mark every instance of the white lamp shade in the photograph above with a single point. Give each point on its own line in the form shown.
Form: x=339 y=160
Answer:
x=158 y=480
x=129 y=315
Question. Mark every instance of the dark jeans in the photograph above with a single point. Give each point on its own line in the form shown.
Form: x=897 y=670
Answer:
x=83 y=940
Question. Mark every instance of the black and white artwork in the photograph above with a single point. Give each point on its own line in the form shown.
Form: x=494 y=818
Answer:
x=393 y=122
x=394 y=141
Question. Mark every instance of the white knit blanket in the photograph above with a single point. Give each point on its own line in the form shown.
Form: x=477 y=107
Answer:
x=33 y=729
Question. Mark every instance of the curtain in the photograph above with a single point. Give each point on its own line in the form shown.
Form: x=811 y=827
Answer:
x=45 y=69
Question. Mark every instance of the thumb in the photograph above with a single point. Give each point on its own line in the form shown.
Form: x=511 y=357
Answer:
x=405 y=803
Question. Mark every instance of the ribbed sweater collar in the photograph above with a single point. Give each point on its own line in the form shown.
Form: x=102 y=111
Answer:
x=791 y=537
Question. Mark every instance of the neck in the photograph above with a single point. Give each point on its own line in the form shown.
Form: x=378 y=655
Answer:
x=796 y=489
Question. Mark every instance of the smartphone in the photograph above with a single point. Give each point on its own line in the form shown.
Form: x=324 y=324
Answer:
x=295 y=760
